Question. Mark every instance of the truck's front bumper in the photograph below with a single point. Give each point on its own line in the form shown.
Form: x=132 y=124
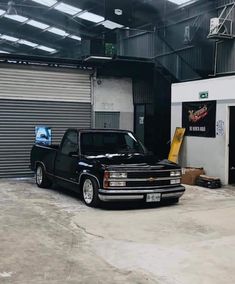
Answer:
x=138 y=194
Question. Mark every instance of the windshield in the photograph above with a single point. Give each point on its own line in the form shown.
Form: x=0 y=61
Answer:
x=102 y=143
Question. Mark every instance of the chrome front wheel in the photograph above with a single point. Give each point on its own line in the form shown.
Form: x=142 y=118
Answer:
x=90 y=192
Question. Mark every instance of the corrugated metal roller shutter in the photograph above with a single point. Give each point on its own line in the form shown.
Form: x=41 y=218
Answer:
x=44 y=85
x=18 y=119
x=30 y=97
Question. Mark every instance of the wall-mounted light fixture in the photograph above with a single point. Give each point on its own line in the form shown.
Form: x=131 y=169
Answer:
x=118 y=12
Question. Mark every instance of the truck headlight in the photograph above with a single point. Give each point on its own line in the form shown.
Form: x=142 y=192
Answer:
x=175 y=181
x=117 y=175
x=114 y=179
x=175 y=173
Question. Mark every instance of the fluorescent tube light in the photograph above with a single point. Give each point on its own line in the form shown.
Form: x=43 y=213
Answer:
x=91 y=17
x=26 y=42
x=47 y=3
x=46 y=48
x=179 y=2
x=2 y=51
x=75 y=37
x=9 y=38
x=68 y=9
x=111 y=25
x=17 y=18
x=57 y=31
x=37 y=24
x=2 y=12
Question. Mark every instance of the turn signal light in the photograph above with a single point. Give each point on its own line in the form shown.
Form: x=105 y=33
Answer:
x=106 y=179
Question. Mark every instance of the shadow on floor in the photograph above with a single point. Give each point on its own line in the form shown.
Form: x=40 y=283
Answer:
x=125 y=205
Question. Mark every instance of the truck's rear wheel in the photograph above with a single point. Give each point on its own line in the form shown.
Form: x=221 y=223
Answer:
x=90 y=192
x=41 y=178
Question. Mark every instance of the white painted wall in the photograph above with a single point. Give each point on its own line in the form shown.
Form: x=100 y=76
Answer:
x=115 y=95
x=210 y=153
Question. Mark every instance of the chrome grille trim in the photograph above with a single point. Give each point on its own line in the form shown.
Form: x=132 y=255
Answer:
x=146 y=187
x=150 y=170
x=144 y=179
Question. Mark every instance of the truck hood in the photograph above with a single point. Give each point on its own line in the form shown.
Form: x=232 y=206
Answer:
x=117 y=161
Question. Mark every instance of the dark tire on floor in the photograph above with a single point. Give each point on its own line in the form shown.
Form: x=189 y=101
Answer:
x=41 y=178
x=90 y=192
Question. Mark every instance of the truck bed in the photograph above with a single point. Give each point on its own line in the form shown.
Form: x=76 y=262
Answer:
x=45 y=154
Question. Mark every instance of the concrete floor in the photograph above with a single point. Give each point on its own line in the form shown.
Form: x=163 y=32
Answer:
x=50 y=237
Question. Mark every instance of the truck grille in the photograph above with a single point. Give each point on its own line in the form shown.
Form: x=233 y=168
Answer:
x=153 y=174
x=146 y=179
x=147 y=183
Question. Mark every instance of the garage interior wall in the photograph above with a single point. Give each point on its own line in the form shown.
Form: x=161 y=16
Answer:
x=115 y=95
x=210 y=153
x=30 y=97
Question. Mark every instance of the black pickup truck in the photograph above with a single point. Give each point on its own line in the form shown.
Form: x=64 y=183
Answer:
x=106 y=165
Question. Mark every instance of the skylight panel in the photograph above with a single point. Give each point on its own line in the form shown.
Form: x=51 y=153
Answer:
x=37 y=24
x=179 y=2
x=2 y=12
x=57 y=31
x=111 y=25
x=9 y=38
x=91 y=17
x=17 y=18
x=46 y=48
x=26 y=42
x=75 y=37
x=68 y=9
x=47 y=3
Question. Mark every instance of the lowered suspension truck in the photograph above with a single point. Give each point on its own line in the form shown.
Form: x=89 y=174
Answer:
x=106 y=165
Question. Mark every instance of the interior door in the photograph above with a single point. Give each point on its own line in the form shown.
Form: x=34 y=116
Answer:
x=232 y=146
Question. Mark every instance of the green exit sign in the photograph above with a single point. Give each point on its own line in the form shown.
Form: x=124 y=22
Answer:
x=203 y=95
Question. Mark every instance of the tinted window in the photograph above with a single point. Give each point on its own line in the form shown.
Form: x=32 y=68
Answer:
x=109 y=142
x=70 y=143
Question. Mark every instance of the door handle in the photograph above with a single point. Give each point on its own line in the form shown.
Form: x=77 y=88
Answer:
x=232 y=168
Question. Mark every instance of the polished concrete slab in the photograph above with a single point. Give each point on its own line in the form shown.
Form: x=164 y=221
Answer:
x=51 y=237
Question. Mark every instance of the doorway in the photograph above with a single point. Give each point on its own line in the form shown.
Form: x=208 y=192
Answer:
x=232 y=146
x=109 y=120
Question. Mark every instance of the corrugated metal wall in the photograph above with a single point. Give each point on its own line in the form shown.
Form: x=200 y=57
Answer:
x=225 y=54
x=18 y=119
x=44 y=85
x=135 y=43
x=225 y=61
x=220 y=3
x=143 y=92
x=181 y=45
x=109 y=120
x=30 y=97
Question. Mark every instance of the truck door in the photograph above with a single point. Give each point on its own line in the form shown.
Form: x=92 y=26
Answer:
x=66 y=161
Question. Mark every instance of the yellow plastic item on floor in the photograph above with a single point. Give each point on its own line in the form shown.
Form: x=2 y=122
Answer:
x=176 y=144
